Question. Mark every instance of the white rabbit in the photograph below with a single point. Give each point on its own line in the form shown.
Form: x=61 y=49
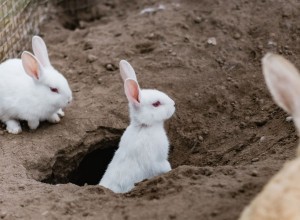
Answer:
x=144 y=146
x=280 y=198
x=31 y=89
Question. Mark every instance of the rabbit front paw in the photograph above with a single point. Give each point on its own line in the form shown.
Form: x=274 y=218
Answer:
x=54 y=118
x=33 y=124
x=60 y=113
x=13 y=127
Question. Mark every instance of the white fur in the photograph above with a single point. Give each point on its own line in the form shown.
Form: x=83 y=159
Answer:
x=25 y=97
x=144 y=146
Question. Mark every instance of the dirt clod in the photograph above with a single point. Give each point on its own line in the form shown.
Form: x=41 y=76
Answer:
x=110 y=67
x=212 y=41
x=91 y=58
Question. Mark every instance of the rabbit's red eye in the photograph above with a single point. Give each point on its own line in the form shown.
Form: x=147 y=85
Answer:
x=54 y=90
x=156 y=104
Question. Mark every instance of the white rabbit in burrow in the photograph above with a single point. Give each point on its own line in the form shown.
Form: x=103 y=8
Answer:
x=31 y=89
x=144 y=146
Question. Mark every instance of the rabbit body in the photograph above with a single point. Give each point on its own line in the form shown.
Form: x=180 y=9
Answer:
x=144 y=146
x=32 y=90
x=19 y=98
x=144 y=157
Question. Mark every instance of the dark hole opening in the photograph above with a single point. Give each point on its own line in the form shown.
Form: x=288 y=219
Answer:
x=92 y=167
x=84 y=169
x=73 y=11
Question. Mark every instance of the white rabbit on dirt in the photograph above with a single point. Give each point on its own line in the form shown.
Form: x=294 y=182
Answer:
x=144 y=146
x=31 y=89
x=280 y=198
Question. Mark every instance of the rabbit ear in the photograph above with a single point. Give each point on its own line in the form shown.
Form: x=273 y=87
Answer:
x=31 y=65
x=40 y=51
x=132 y=91
x=283 y=81
x=126 y=71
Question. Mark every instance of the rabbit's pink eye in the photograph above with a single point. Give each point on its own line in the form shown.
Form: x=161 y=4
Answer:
x=54 y=90
x=156 y=104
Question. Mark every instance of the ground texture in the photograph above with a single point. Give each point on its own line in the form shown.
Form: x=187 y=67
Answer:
x=227 y=138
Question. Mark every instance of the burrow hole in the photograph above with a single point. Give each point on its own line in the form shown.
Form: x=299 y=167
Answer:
x=87 y=165
x=83 y=168
x=73 y=13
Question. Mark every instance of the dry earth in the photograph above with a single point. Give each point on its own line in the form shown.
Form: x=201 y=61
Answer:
x=227 y=138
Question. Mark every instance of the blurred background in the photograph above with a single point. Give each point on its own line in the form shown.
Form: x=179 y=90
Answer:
x=20 y=19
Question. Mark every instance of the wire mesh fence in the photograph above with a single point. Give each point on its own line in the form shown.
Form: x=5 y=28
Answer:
x=20 y=19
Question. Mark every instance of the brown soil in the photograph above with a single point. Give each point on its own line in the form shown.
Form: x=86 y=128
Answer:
x=227 y=139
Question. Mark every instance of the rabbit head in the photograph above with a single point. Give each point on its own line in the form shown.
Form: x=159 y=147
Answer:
x=147 y=106
x=53 y=83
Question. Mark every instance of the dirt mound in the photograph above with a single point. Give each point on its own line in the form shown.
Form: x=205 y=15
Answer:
x=227 y=138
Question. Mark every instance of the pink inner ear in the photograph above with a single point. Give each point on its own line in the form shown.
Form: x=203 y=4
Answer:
x=34 y=69
x=30 y=65
x=132 y=91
